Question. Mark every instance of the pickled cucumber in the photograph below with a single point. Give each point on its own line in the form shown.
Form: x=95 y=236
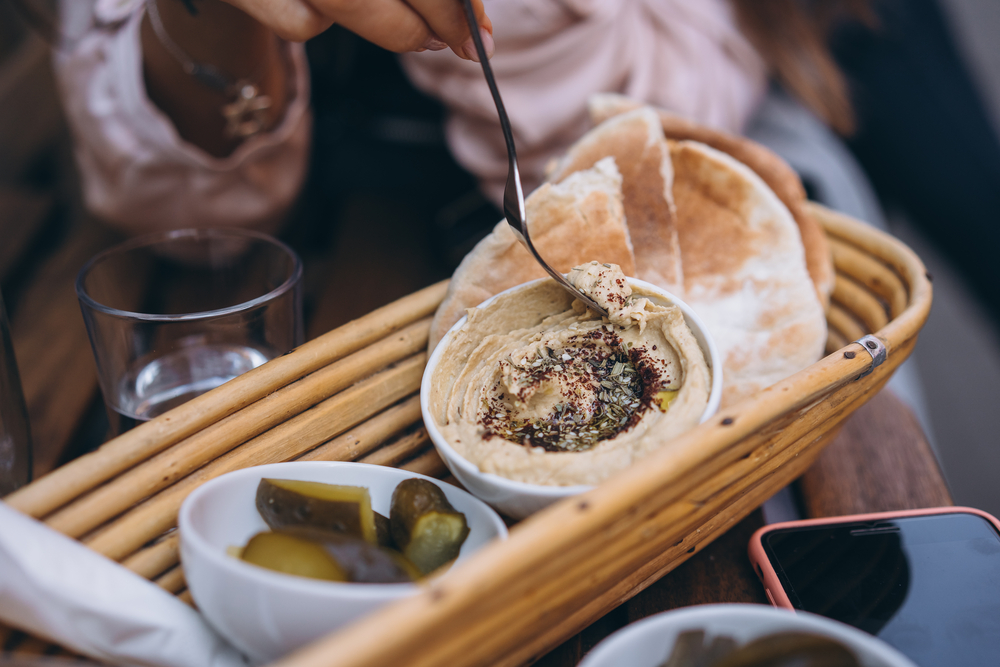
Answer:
x=331 y=532
x=362 y=561
x=292 y=555
x=383 y=531
x=345 y=509
x=425 y=527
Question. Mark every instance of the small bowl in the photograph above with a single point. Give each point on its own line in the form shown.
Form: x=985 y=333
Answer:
x=267 y=614
x=520 y=499
x=648 y=643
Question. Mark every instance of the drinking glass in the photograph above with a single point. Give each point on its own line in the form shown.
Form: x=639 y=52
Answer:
x=15 y=437
x=175 y=314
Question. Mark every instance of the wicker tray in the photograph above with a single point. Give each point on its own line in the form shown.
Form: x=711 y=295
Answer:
x=351 y=395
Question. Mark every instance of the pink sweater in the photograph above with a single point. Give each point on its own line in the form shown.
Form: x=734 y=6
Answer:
x=552 y=55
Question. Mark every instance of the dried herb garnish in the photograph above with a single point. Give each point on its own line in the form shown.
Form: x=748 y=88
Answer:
x=621 y=395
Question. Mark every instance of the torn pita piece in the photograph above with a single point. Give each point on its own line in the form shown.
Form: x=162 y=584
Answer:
x=570 y=223
x=774 y=171
x=635 y=139
x=744 y=271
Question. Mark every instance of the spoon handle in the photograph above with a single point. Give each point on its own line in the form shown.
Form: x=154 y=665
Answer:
x=513 y=195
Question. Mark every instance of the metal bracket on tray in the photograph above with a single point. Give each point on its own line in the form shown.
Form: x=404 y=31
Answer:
x=874 y=347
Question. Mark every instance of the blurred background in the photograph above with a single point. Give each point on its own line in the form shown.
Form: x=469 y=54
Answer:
x=958 y=353
x=382 y=131
x=967 y=423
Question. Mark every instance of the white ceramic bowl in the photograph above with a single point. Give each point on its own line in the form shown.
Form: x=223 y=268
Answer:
x=267 y=614
x=519 y=499
x=648 y=642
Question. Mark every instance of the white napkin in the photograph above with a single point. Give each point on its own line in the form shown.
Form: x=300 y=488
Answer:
x=54 y=587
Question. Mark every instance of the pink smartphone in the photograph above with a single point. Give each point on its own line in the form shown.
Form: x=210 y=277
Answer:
x=925 y=581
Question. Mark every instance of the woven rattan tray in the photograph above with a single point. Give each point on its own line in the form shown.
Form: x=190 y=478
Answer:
x=352 y=395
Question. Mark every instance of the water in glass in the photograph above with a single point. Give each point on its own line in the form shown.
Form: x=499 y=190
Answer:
x=154 y=387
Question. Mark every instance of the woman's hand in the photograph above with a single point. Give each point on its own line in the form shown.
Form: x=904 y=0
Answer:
x=396 y=25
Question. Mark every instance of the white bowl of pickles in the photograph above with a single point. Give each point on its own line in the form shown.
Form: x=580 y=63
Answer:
x=276 y=556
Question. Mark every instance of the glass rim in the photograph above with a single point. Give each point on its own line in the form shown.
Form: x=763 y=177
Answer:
x=155 y=238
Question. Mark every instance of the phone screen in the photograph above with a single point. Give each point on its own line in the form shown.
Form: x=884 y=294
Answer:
x=927 y=585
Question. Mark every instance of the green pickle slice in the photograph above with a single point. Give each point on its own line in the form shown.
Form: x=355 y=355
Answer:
x=383 y=531
x=292 y=555
x=363 y=562
x=344 y=509
x=329 y=531
x=425 y=526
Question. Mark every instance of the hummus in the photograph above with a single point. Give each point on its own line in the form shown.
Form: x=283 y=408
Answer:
x=537 y=388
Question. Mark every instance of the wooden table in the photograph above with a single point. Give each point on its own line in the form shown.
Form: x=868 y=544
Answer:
x=880 y=461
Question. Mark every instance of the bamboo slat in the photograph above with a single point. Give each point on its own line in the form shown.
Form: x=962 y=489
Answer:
x=365 y=437
x=172 y=581
x=429 y=463
x=628 y=573
x=844 y=323
x=156 y=559
x=877 y=260
x=855 y=299
x=400 y=450
x=871 y=273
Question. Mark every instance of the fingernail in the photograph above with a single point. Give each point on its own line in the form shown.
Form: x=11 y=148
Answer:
x=487 y=42
x=469 y=49
x=470 y=46
x=434 y=43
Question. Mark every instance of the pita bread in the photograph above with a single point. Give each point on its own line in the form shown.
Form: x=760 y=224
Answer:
x=572 y=222
x=635 y=139
x=744 y=270
x=772 y=169
x=742 y=263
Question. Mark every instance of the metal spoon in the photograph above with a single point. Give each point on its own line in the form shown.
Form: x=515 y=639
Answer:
x=513 y=196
